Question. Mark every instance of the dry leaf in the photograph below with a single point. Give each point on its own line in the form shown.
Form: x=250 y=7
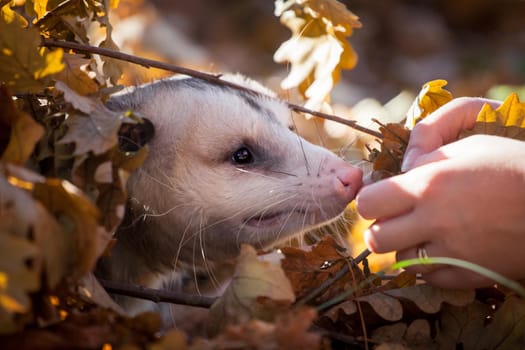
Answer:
x=20 y=259
x=19 y=130
x=431 y=97
x=387 y=162
x=507 y=328
x=25 y=67
x=318 y=49
x=97 y=131
x=252 y=279
x=508 y=120
x=306 y=270
x=75 y=75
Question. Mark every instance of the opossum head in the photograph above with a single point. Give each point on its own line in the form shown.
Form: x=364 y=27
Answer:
x=225 y=169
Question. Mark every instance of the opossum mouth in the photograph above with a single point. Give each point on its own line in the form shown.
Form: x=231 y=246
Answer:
x=272 y=219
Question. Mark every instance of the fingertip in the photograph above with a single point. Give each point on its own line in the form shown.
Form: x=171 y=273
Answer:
x=361 y=202
x=370 y=241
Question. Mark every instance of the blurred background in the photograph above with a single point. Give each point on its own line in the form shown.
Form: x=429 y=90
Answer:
x=474 y=44
x=478 y=46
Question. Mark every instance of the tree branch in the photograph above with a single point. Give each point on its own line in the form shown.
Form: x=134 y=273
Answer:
x=156 y=295
x=314 y=293
x=196 y=74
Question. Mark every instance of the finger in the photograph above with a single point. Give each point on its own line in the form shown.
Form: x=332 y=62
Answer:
x=429 y=250
x=396 y=234
x=441 y=275
x=384 y=199
x=443 y=126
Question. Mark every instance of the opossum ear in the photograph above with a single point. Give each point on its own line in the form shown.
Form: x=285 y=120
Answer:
x=133 y=136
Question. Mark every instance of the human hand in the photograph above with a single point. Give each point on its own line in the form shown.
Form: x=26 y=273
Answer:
x=463 y=200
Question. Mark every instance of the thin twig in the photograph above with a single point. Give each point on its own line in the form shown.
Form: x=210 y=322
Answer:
x=213 y=78
x=314 y=293
x=156 y=295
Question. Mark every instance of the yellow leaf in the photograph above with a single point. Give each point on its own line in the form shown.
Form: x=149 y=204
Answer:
x=53 y=63
x=340 y=17
x=507 y=120
x=23 y=66
x=318 y=48
x=113 y=3
x=431 y=97
x=40 y=7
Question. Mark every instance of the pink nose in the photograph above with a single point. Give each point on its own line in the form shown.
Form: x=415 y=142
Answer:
x=348 y=181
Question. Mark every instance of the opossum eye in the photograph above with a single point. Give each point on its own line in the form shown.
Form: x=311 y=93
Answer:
x=242 y=156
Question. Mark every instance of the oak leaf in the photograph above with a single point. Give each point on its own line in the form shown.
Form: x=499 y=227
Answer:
x=306 y=270
x=24 y=67
x=318 y=48
x=20 y=259
x=431 y=97
x=387 y=161
x=19 y=130
x=507 y=329
x=75 y=75
x=253 y=282
x=94 y=128
x=508 y=120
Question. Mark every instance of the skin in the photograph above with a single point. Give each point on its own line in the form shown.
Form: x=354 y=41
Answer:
x=463 y=199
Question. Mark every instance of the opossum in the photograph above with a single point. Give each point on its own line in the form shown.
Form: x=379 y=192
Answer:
x=223 y=169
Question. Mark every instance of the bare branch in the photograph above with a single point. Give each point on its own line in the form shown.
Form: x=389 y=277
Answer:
x=314 y=293
x=196 y=74
x=156 y=295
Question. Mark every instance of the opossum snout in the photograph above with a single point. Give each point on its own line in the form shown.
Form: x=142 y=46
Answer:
x=348 y=180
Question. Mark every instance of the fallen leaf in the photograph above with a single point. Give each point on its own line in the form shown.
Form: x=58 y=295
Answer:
x=463 y=325
x=19 y=129
x=252 y=279
x=507 y=328
x=75 y=75
x=306 y=270
x=508 y=120
x=20 y=259
x=387 y=162
x=429 y=299
x=95 y=129
x=24 y=66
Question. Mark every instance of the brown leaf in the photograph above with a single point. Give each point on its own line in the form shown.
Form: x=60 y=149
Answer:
x=308 y=269
x=251 y=280
x=462 y=325
x=387 y=162
x=95 y=129
x=75 y=76
x=507 y=328
x=429 y=299
x=19 y=132
x=290 y=331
